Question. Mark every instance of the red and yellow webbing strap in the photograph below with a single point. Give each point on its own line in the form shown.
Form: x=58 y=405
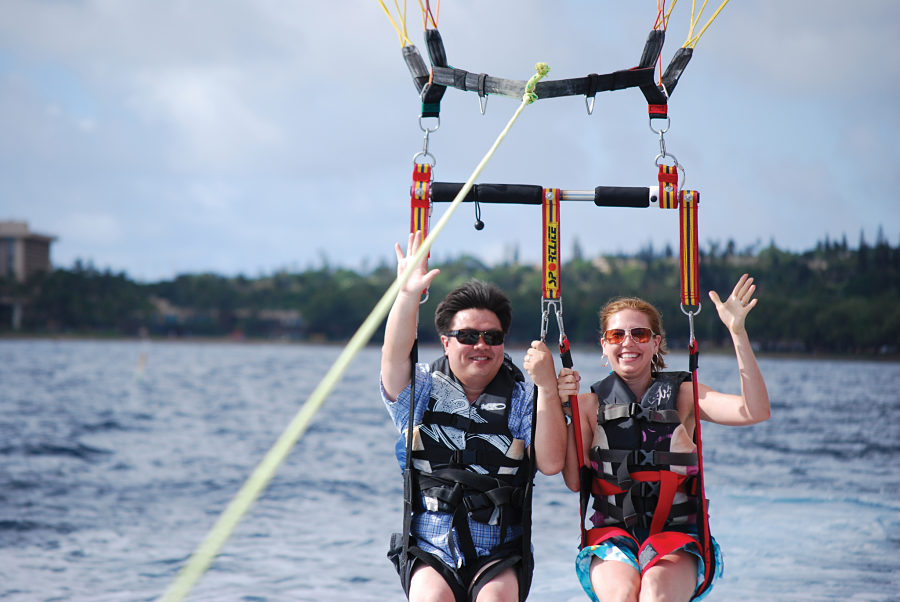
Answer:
x=420 y=199
x=551 y=287
x=690 y=257
x=668 y=186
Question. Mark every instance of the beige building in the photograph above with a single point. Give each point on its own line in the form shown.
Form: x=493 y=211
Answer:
x=23 y=253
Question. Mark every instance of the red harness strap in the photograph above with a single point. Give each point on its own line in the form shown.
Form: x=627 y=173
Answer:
x=703 y=520
x=660 y=543
x=654 y=547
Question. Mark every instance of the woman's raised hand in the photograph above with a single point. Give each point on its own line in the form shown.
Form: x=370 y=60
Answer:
x=733 y=311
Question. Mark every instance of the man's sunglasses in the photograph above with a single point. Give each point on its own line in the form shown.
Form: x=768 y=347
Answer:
x=470 y=336
x=617 y=335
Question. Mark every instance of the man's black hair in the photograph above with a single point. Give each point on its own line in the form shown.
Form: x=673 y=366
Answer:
x=474 y=294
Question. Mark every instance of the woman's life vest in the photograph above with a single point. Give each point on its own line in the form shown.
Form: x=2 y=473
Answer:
x=466 y=461
x=643 y=464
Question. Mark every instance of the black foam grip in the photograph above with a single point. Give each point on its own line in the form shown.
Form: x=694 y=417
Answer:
x=621 y=196
x=517 y=194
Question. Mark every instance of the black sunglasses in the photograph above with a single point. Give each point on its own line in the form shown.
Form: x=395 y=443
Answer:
x=470 y=336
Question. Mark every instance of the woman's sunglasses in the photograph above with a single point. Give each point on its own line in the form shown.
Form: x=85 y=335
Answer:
x=617 y=335
x=470 y=336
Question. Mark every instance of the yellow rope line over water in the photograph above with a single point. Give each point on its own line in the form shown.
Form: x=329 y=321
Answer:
x=206 y=552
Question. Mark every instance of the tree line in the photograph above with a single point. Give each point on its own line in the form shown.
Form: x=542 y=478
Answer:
x=831 y=299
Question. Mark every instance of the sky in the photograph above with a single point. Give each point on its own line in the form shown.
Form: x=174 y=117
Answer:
x=165 y=137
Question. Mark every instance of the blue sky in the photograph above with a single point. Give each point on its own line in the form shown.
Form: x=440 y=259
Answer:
x=165 y=137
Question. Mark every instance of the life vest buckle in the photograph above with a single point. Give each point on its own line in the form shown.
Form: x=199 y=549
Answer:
x=643 y=457
x=463 y=457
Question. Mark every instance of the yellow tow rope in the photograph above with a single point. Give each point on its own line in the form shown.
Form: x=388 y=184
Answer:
x=206 y=552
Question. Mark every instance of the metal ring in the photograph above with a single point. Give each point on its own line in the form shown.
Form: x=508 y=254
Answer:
x=691 y=313
x=664 y=155
x=429 y=130
x=660 y=131
x=424 y=154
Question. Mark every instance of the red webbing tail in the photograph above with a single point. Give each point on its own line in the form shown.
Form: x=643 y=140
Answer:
x=703 y=520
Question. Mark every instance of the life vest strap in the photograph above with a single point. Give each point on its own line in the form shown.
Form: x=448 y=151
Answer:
x=642 y=457
x=615 y=411
x=464 y=457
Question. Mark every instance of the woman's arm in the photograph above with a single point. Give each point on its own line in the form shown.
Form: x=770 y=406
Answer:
x=752 y=405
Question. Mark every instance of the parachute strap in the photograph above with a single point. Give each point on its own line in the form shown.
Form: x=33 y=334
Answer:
x=688 y=245
x=551 y=286
x=588 y=86
x=433 y=92
x=420 y=198
x=551 y=300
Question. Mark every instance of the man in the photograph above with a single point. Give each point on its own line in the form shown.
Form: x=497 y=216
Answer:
x=471 y=465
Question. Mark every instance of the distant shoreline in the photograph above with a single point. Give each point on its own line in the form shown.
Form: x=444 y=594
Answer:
x=708 y=348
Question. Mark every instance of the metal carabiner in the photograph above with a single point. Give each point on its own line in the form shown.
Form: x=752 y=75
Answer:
x=690 y=315
x=559 y=323
x=545 y=319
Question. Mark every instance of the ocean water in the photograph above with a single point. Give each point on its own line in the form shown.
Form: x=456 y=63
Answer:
x=116 y=458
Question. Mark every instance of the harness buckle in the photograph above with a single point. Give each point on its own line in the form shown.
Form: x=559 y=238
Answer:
x=649 y=489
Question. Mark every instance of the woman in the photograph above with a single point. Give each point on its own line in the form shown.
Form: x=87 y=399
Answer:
x=637 y=426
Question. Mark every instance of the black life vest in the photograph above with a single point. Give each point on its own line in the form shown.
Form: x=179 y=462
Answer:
x=466 y=461
x=637 y=480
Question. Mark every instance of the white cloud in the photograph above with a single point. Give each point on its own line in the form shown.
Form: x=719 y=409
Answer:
x=211 y=122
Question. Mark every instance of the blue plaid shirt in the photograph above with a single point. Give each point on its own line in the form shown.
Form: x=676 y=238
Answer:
x=434 y=530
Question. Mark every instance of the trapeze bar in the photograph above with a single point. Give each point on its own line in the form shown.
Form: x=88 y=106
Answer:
x=527 y=194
